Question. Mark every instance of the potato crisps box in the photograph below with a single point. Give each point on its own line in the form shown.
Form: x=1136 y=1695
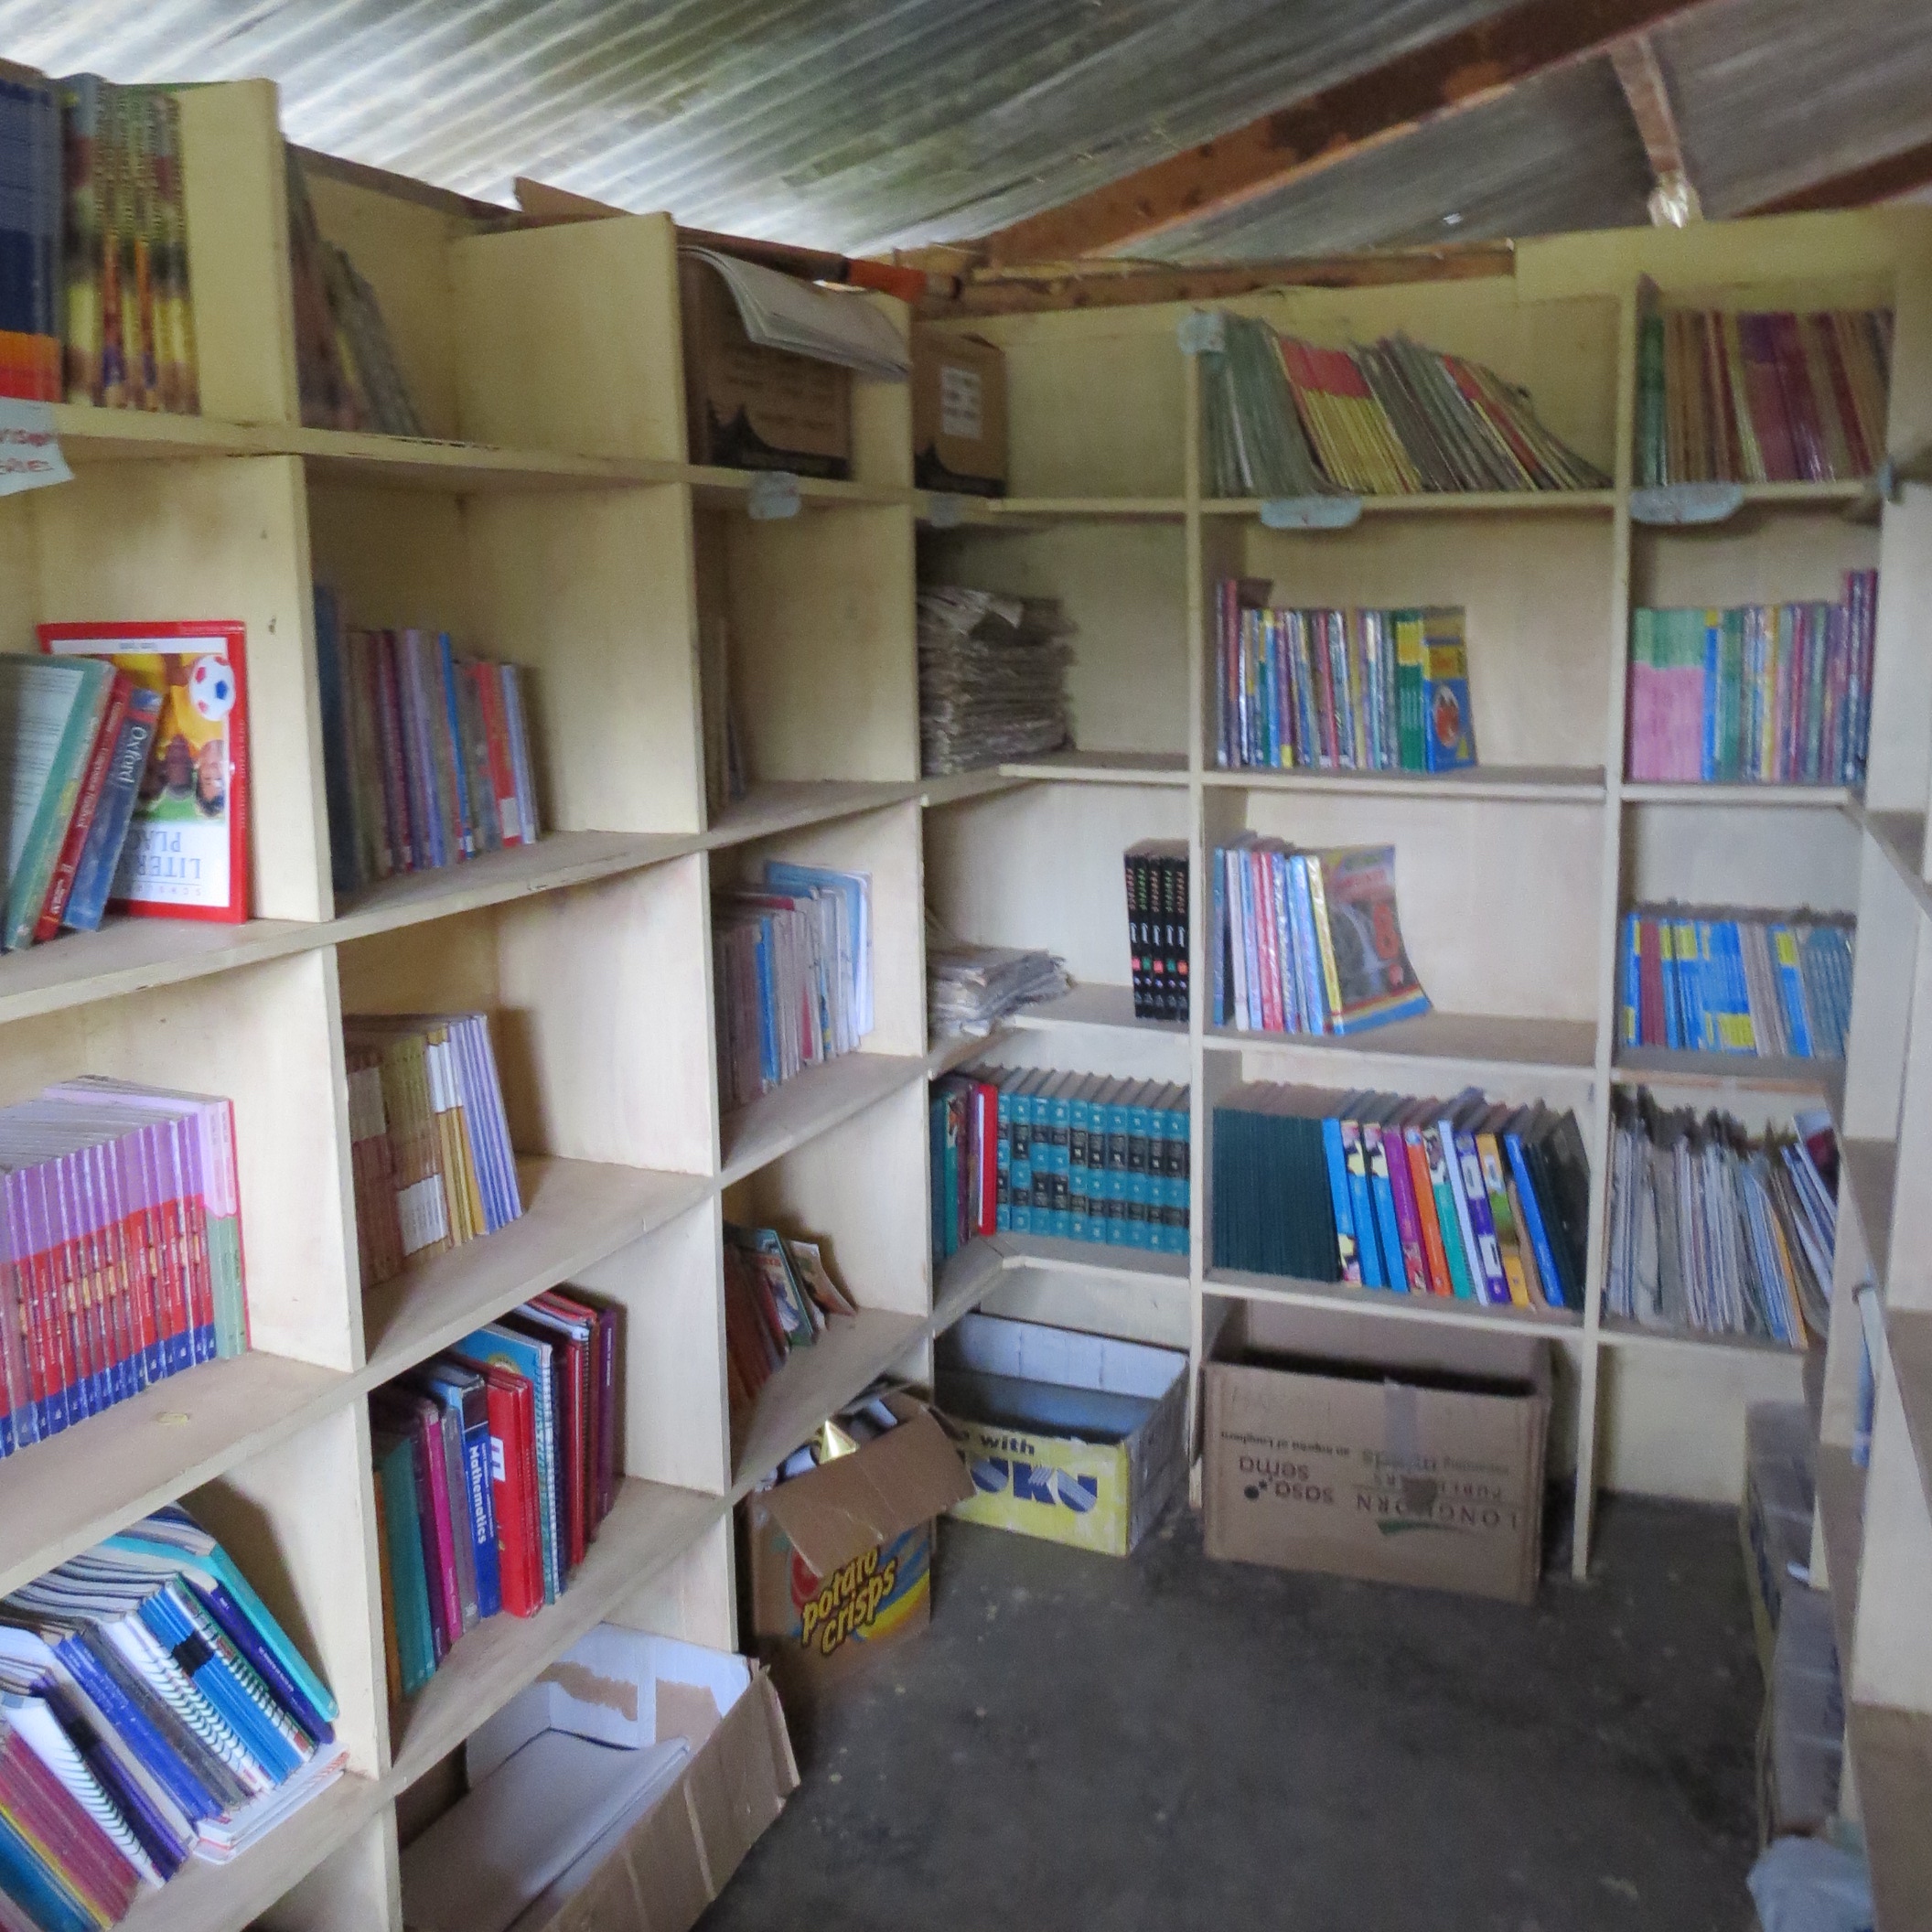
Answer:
x=1076 y=1438
x=841 y=1558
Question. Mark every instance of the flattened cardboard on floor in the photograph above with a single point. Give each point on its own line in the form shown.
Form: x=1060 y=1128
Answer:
x=1331 y=1443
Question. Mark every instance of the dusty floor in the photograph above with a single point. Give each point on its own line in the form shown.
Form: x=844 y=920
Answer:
x=1169 y=1742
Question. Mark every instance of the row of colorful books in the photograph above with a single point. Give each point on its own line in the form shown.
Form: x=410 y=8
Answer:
x=1286 y=418
x=1308 y=941
x=1778 y=693
x=791 y=968
x=155 y=1712
x=1467 y=1197
x=780 y=1294
x=120 y=1248
x=426 y=756
x=1761 y=397
x=1339 y=690
x=495 y=1465
x=429 y=1141
x=1157 y=927
x=1745 y=983
x=1086 y=1157
x=1714 y=1230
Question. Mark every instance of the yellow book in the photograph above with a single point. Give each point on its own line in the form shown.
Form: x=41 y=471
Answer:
x=1508 y=1241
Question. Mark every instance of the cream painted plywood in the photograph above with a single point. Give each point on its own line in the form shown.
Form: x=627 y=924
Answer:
x=1734 y=855
x=1760 y=556
x=1649 y=1395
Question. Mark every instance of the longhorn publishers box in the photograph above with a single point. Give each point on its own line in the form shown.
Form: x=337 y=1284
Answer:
x=1331 y=1443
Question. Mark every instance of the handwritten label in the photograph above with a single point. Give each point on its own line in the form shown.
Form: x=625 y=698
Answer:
x=1202 y=332
x=945 y=511
x=1311 y=512
x=774 y=496
x=30 y=454
x=1668 y=504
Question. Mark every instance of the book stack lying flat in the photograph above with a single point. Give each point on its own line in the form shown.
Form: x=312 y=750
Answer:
x=779 y=1294
x=1466 y=1198
x=791 y=967
x=1308 y=941
x=155 y=1711
x=1340 y=691
x=993 y=679
x=969 y=988
x=425 y=755
x=120 y=1248
x=496 y=1464
x=1761 y=398
x=1774 y=694
x=1715 y=1232
x=1157 y=927
x=1779 y=988
x=429 y=1142
x=1027 y=1150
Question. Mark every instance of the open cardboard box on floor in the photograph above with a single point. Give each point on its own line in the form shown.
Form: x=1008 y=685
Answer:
x=841 y=1558
x=1378 y=1449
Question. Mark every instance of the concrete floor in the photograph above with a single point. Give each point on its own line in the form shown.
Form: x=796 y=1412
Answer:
x=1169 y=1744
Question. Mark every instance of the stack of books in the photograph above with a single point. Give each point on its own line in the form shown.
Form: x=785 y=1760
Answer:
x=1772 y=397
x=1466 y=1198
x=155 y=1711
x=429 y=1142
x=1772 y=694
x=1740 y=983
x=1717 y=1231
x=120 y=1248
x=496 y=1464
x=1283 y=417
x=993 y=679
x=1157 y=928
x=1339 y=691
x=1308 y=941
x=791 y=969
x=425 y=755
x=75 y=734
x=968 y=989
x=31 y=322
x=779 y=1294
x=1027 y=1150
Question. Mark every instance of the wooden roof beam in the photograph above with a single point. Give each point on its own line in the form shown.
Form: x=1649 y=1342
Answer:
x=1674 y=200
x=1460 y=70
x=1902 y=172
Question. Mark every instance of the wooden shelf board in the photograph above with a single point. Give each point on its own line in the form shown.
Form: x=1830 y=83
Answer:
x=1665 y=1064
x=954 y=1050
x=1527 y=784
x=955 y=788
x=1090 y=1004
x=1238 y=1284
x=1801 y=494
x=1841 y=1487
x=768 y=810
x=1634 y=1334
x=1102 y=768
x=966 y=1280
x=1892 y=1764
x=1768 y=798
x=387 y=462
x=1450 y=503
x=1095 y=1257
x=575 y=1213
x=718 y=488
x=803 y=1108
x=991 y=512
x=1871 y=1167
x=1908 y=1332
x=649 y=1526
x=59 y=1496
x=1901 y=837
x=1562 y=1047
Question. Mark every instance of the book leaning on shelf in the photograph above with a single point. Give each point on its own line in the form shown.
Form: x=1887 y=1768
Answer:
x=1465 y=1199
x=429 y=1141
x=151 y=1710
x=121 y=1259
x=496 y=1464
x=780 y=1294
x=427 y=755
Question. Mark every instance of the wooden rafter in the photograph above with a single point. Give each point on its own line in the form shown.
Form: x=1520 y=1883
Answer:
x=1902 y=172
x=1674 y=197
x=1460 y=70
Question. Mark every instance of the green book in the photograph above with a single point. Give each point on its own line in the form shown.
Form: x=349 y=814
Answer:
x=1410 y=676
x=50 y=709
x=408 y=1584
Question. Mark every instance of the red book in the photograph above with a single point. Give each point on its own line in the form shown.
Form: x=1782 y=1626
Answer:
x=1387 y=1137
x=92 y=784
x=1845 y=405
x=502 y=772
x=69 y=1325
x=1266 y=880
x=986 y=1156
x=1766 y=395
x=88 y=1860
x=439 y=1525
x=513 y=1486
x=1808 y=433
x=1728 y=465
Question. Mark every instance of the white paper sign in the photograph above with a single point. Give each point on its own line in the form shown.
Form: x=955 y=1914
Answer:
x=960 y=403
x=30 y=454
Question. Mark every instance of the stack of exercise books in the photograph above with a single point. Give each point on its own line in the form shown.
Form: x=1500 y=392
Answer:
x=1086 y=1157
x=779 y=1294
x=1464 y=1198
x=1339 y=690
x=1774 y=397
x=791 y=969
x=496 y=1464
x=120 y=1248
x=155 y=1711
x=993 y=679
x=1287 y=418
x=1704 y=981
x=1774 y=694
x=1157 y=928
x=31 y=323
x=429 y=1142
x=970 y=989
x=1308 y=941
x=1717 y=1231
x=425 y=755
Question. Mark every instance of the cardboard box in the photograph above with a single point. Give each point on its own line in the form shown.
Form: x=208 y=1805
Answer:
x=1377 y=1449
x=752 y=408
x=841 y=1559
x=1076 y=1438
x=659 y=1870
x=958 y=414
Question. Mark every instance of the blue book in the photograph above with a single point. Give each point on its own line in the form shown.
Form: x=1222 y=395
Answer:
x=209 y=1674
x=1293 y=1003
x=767 y=1007
x=1348 y=1253
x=100 y=855
x=1666 y=964
x=166 y=1840
x=1631 y=1031
x=408 y=1581
x=1355 y=1156
x=533 y=1360
x=1217 y=939
x=1388 y=1229
x=1251 y=957
x=1711 y=758
x=1060 y=1133
x=1533 y=1214
x=1314 y=1011
x=39 y=1890
x=466 y=817
x=157 y=1755
x=466 y=1391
